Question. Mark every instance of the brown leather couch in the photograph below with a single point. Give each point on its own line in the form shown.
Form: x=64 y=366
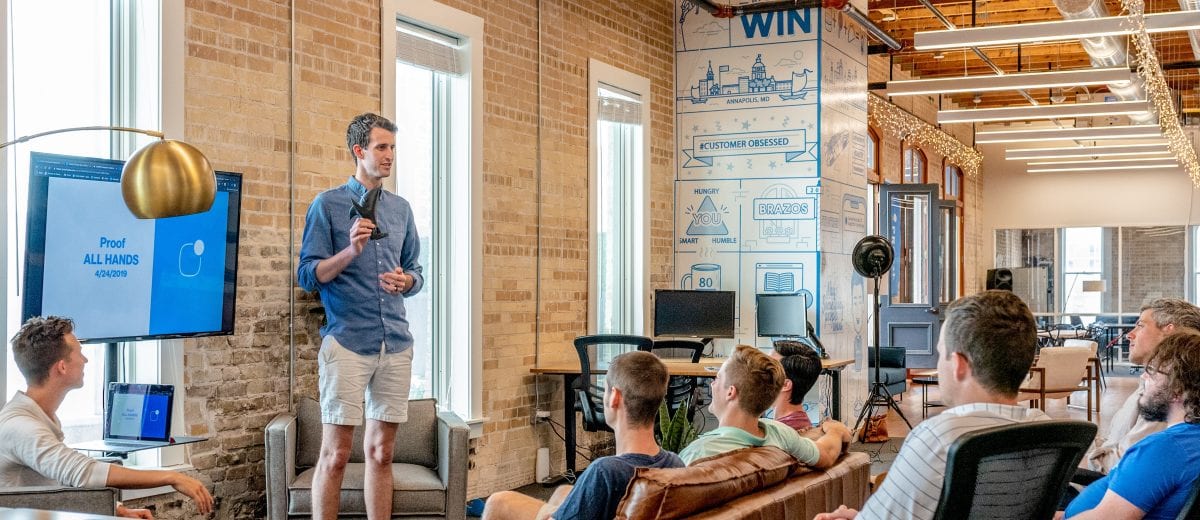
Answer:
x=750 y=483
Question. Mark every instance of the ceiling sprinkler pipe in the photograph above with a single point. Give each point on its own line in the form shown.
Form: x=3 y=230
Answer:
x=1107 y=51
x=1194 y=36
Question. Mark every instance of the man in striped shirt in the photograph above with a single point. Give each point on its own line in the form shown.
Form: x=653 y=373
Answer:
x=986 y=347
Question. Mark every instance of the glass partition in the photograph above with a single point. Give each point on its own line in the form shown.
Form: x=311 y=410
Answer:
x=1100 y=273
x=1153 y=265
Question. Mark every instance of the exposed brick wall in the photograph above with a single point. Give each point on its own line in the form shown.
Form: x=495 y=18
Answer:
x=1153 y=265
x=236 y=104
x=637 y=37
x=236 y=110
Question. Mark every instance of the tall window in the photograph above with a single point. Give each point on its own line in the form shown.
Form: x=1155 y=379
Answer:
x=1195 y=262
x=1083 y=261
x=952 y=189
x=435 y=100
x=874 y=174
x=619 y=120
x=115 y=49
x=914 y=165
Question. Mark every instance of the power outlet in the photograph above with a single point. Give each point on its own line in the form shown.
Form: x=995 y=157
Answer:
x=542 y=415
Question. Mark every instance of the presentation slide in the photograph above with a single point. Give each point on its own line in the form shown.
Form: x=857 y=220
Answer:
x=142 y=416
x=125 y=419
x=119 y=276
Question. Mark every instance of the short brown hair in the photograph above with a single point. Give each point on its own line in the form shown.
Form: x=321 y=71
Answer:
x=358 y=132
x=39 y=345
x=1173 y=311
x=757 y=377
x=642 y=379
x=997 y=334
x=1178 y=357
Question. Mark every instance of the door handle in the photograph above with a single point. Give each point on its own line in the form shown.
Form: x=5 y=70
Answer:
x=934 y=310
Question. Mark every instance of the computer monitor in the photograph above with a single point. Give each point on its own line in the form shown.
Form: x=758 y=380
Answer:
x=781 y=315
x=696 y=314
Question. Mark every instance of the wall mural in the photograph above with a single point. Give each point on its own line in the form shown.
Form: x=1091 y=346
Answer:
x=770 y=189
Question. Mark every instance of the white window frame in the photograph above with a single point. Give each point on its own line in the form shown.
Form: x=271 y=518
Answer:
x=461 y=281
x=167 y=366
x=603 y=73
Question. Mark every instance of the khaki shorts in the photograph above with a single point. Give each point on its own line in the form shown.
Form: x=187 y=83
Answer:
x=345 y=377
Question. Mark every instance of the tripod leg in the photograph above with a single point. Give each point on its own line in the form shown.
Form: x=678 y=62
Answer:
x=892 y=403
x=867 y=408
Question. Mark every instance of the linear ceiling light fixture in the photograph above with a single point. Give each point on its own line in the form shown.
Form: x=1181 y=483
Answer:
x=1024 y=154
x=982 y=115
x=1093 y=133
x=1108 y=164
x=991 y=83
x=1080 y=29
x=1126 y=161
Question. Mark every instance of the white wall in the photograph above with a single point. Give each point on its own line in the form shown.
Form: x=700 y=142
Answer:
x=1014 y=199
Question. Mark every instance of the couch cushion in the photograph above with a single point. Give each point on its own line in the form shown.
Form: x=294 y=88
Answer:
x=680 y=492
x=416 y=440
x=803 y=495
x=418 y=491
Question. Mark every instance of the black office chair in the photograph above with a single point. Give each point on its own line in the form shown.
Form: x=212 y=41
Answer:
x=680 y=389
x=594 y=353
x=1191 y=508
x=1016 y=471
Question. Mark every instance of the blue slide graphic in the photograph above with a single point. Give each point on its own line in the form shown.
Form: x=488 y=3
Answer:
x=182 y=277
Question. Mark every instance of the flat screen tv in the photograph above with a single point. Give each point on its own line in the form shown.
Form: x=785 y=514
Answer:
x=781 y=315
x=118 y=277
x=697 y=314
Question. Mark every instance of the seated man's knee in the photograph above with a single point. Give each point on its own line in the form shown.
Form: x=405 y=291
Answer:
x=501 y=505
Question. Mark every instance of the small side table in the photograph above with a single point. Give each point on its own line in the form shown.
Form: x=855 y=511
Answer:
x=926 y=378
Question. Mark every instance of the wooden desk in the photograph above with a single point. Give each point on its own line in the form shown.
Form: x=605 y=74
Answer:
x=705 y=368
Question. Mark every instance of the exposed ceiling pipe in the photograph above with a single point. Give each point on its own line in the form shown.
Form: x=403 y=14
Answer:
x=729 y=11
x=1194 y=36
x=1107 y=51
x=937 y=13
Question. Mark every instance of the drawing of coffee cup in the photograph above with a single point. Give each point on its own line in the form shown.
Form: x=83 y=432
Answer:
x=704 y=277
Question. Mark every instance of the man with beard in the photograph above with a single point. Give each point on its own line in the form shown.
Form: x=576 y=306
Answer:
x=1157 y=319
x=1156 y=475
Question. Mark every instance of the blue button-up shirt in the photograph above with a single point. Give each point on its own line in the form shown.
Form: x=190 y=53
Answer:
x=359 y=313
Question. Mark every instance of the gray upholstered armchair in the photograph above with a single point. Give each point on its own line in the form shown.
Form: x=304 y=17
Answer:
x=95 y=501
x=429 y=464
x=892 y=362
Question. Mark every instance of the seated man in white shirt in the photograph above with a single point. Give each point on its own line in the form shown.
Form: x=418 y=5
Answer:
x=744 y=388
x=986 y=347
x=33 y=452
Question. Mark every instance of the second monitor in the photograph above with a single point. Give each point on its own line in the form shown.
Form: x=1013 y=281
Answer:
x=782 y=315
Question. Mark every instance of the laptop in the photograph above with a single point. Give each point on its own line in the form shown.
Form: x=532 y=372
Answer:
x=136 y=417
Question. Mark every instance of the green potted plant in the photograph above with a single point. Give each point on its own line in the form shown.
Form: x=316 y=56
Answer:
x=675 y=431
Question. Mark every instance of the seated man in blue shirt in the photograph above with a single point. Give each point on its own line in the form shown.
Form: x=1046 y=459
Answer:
x=744 y=388
x=633 y=390
x=1154 y=477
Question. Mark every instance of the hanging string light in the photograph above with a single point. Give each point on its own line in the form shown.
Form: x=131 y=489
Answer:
x=1159 y=93
x=898 y=123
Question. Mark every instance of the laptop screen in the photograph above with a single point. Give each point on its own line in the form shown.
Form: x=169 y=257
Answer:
x=139 y=412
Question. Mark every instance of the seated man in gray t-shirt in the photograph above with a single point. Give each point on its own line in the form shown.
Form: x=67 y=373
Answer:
x=634 y=388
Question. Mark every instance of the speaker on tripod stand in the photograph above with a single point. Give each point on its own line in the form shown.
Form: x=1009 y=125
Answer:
x=872 y=257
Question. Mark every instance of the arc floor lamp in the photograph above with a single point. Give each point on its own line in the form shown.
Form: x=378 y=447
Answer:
x=166 y=178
